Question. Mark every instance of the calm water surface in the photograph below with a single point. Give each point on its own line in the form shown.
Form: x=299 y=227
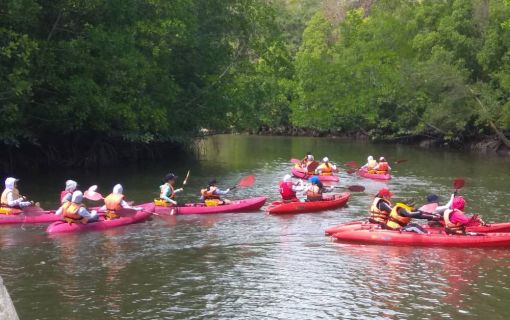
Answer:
x=256 y=266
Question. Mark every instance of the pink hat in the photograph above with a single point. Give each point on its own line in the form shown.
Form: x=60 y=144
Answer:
x=458 y=203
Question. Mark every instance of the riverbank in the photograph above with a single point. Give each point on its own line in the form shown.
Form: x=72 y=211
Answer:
x=484 y=144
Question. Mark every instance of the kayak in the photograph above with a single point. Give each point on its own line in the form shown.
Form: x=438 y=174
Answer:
x=303 y=174
x=334 y=202
x=390 y=237
x=30 y=215
x=102 y=224
x=355 y=225
x=363 y=172
x=245 y=205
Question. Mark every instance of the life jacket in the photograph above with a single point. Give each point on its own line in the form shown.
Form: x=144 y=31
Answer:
x=70 y=213
x=450 y=227
x=172 y=192
x=113 y=204
x=383 y=166
x=378 y=215
x=396 y=221
x=63 y=194
x=286 y=190
x=371 y=164
x=326 y=169
x=209 y=193
x=314 y=194
x=15 y=196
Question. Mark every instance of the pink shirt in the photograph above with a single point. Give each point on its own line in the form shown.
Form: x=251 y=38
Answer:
x=458 y=216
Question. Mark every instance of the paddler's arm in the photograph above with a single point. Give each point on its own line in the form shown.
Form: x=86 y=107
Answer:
x=86 y=214
x=221 y=192
x=164 y=192
x=383 y=206
x=18 y=202
x=442 y=209
x=415 y=214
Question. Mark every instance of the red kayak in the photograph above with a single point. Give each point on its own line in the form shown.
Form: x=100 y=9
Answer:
x=245 y=205
x=355 y=225
x=128 y=216
x=30 y=215
x=334 y=202
x=303 y=174
x=389 y=237
x=363 y=172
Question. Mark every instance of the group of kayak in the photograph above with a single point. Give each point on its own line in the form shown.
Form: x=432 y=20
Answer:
x=73 y=215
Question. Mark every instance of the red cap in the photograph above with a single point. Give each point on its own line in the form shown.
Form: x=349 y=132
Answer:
x=384 y=192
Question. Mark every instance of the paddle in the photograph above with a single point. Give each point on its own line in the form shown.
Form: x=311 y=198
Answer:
x=312 y=166
x=245 y=182
x=400 y=161
x=458 y=183
x=92 y=194
x=354 y=188
x=186 y=179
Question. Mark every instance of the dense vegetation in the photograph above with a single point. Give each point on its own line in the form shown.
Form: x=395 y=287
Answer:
x=81 y=80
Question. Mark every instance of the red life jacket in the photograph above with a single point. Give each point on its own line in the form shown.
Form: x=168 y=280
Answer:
x=286 y=190
x=383 y=166
x=63 y=194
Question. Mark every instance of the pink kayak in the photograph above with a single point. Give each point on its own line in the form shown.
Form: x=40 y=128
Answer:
x=30 y=215
x=356 y=225
x=363 y=172
x=129 y=217
x=245 y=205
x=303 y=174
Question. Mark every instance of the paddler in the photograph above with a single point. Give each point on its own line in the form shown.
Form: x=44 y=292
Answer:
x=11 y=198
x=114 y=202
x=371 y=164
x=381 y=207
x=400 y=218
x=306 y=160
x=288 y=189
x=211 y=195
x=325 y=168
x=168 y=191
x=382 y=167
x=75 y=212
x=455 y=219
x=67 y=194
x=315 y=190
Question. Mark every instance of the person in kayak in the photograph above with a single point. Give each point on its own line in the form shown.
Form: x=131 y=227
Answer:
x=74 y=212
x=307 y=160
x=325 y=168
x=400 y=218
x=212 y=194
x=12 y=201
x=381 y=207
x=67 y=194
x=288 y=189
x=315 y=190
x=114 y=202
x=456 y=221
x=370 y=165
x=382 y=167
x=168 y=191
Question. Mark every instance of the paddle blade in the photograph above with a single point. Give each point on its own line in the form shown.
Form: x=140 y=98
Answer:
x=295 y=161
x=351 y=171
x=312 y=166
x=400 y=161
x=428 y=208
x=356 y=188
x=458 y=183
x=246 y=181
x=91 y=194
x=351 y=164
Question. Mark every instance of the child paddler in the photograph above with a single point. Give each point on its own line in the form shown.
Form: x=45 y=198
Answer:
x=12 y=201
x=168 y=191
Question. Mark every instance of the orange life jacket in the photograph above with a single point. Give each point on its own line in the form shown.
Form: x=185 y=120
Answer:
x=326 y=169
x=383 y=166
x=314 y=194
x=209 y=193
x=113 y=204
x=379 y=216
x=15 y=196
x=450 y=227
x=70 y=212
x=395 y=220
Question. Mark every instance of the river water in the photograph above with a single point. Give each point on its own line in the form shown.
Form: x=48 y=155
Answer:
x=253 y=265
